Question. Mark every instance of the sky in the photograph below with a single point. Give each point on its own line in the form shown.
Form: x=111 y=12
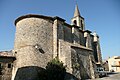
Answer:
x=102 y=16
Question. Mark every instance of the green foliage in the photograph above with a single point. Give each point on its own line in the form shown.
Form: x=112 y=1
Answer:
x=56 y=62
x=55 y=70
x=76 y=66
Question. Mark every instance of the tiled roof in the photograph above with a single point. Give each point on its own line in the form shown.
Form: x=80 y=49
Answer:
x=6 y=54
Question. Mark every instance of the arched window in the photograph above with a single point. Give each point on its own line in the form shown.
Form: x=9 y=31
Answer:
x=75 y=22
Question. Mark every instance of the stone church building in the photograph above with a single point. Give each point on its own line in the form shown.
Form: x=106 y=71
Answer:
x=40 y=38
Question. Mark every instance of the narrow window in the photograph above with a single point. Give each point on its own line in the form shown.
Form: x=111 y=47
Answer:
x=81 y=24
x=9 y=65
x=0 y=69
x=75 y=22
x=0 y=66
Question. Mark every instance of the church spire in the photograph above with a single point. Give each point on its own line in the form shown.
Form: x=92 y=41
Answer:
x=76 y=13
x=77 y=19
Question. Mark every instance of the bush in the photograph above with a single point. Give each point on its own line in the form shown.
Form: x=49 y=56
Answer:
x=55 y=70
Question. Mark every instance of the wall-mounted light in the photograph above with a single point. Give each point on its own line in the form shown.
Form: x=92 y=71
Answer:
x=37 y=46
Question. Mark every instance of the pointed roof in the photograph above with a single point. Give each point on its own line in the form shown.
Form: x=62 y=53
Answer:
x=76 y=13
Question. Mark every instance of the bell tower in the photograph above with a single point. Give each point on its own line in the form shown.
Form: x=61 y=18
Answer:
x=77 y=20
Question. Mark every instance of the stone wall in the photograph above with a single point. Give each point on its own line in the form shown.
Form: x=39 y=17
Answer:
x=67 y=33
x=64 y=45
x=76 y=36
x=82 y=38
x=33 y=45
x=6 y=68
x=40 y=39
x=81 y=62
x=72 y=51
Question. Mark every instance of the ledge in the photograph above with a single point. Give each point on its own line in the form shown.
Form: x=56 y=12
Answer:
x=37 y=16
x=56 y=17
x=8 y=57
x=81 y=47
x=115 y=65
x=32 y=15
x=88 y=31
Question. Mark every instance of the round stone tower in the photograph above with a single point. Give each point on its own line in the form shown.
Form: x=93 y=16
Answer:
x=33 y=46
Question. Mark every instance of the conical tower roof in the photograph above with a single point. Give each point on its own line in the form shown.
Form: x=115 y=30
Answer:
x=76 y=13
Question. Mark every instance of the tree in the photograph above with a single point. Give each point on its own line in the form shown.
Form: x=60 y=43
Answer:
x=55 y=70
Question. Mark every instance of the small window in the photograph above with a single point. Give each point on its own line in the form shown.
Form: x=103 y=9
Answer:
x=9 y=65
x=75 y=22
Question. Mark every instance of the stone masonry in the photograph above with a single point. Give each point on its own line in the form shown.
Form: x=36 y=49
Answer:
x=40 y=38
x=6 y=62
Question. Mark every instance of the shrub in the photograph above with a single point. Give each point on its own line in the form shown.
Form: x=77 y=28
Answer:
x=55 y=70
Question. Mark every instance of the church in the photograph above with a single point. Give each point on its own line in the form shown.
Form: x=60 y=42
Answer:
x=39 y=39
